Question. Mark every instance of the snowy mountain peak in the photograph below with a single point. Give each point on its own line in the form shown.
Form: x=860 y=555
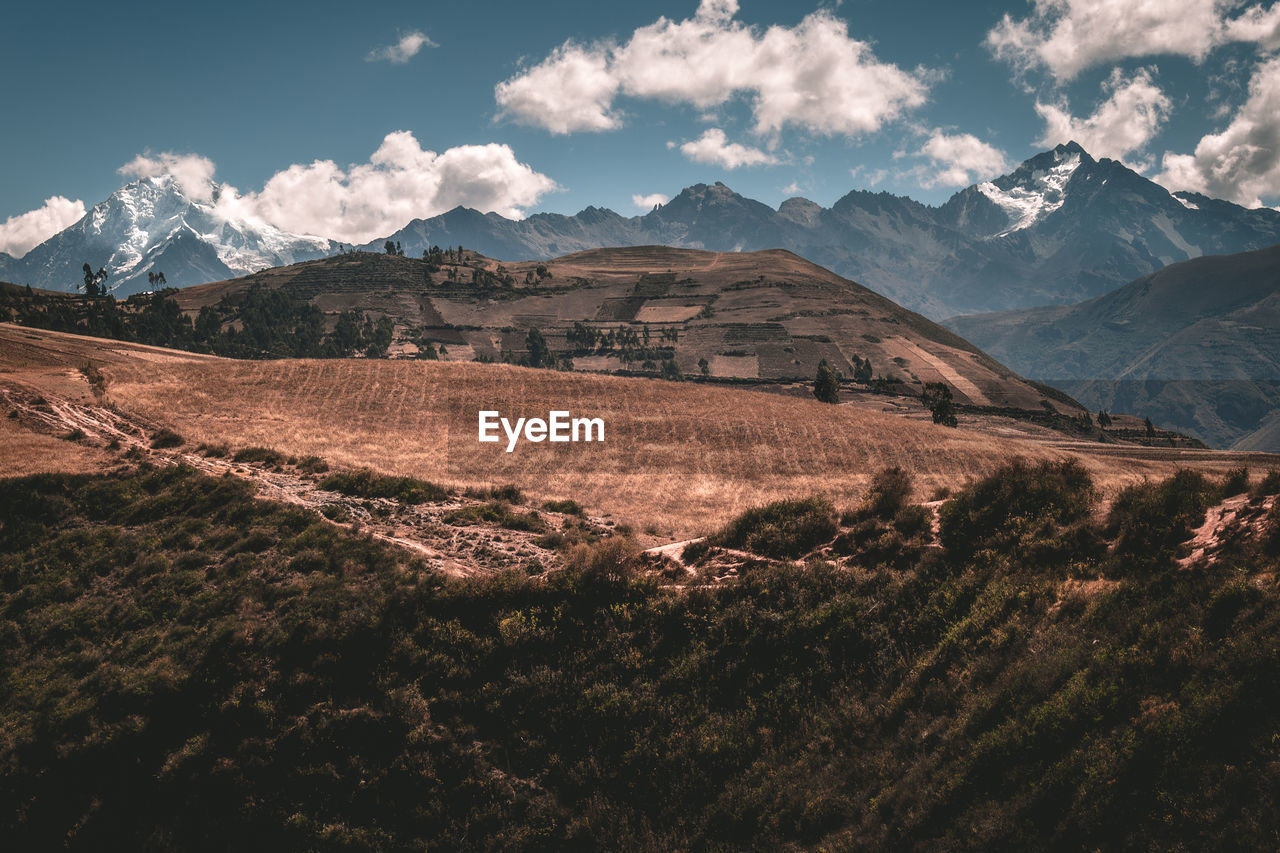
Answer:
x=158 y=224
x=1037 y=188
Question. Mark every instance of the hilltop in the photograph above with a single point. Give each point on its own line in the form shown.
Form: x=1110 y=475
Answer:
x=766 y=316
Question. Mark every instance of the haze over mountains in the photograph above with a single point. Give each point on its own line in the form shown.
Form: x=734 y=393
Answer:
x=1195 y=346
x=1061 y=228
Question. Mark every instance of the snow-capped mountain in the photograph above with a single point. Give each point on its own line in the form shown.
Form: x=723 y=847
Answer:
x=153 y=225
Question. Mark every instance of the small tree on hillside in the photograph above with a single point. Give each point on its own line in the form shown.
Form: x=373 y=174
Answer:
x=938 y=400
x=1104 y=420
x=704 y=366
x=826 y=385
x=540 y=355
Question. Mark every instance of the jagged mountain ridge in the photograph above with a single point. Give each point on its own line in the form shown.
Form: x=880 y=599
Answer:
x=153 y=225
x=1061 y=228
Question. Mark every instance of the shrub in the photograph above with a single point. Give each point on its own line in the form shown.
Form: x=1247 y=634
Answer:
x=1236 y=482
x=1015 y=503
x=214 y=450
x=165 y=438
x=367 y=483
x=1268 y=485
x=565 y=507
x=613 y=559
x=495 y=512
x=890 y=490
x=312 y=465
x=785 y=529
x=1149 y=520
x=262 y=455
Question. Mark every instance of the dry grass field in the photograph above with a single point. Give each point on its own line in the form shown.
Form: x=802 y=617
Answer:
x=678 y=458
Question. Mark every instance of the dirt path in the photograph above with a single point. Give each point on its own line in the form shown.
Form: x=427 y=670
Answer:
x=960 y=383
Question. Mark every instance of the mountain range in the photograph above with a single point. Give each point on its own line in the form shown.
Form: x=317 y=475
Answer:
x=1061 y=228
x=1195 y=346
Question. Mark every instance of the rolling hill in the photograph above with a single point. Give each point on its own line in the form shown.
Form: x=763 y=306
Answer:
x=765 y=316
x=1195 y=345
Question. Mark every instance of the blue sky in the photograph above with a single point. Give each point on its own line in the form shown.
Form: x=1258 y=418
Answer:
x=527 y=107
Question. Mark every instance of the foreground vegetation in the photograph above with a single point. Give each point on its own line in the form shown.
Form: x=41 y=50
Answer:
x=187 y=667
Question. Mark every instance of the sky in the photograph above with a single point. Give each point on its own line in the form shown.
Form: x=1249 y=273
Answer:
x=347 y=121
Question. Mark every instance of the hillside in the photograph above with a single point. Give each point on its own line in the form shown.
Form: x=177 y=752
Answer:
x=678 y=456
x=751 y=316
x=1196 y=346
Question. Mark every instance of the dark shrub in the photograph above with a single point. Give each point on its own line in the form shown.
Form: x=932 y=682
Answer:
x=1149 y=520
x=165 y=438
x=495 y=512
x=784 y=529
x=1268 y=485
x=565 y=507
x=262 y=455
x=1016 y=503
x=366 y=483
x=1235 y=483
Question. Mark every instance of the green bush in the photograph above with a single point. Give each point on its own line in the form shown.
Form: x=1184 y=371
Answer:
x=1149 y=520
x=1015 y=506
x=785 y=529
x=260 y=455
x=564 y=507
x=367 y=483
x=166 y=438
x=495 y=512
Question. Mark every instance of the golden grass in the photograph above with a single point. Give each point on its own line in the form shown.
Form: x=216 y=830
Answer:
x=24 y=452
x=679 y=457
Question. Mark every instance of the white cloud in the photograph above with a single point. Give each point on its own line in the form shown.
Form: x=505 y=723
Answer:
x=958 y=160
x=792 y=189
x=22 y=233
x=649 y=202
x=570 y=90
x=403 y=50
x=193 y=172
x=715 y=148
x=1242 y=163
x=1068 y=36
x=401 y=182
x=1132 y=115
x=813 y=75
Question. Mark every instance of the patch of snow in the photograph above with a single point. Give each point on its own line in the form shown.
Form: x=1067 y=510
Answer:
x=1187 y=204
x=1027 y=205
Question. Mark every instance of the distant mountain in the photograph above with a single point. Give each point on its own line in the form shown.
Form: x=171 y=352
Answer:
x=151 y=225
x=1196 y=346
x=1060 y=228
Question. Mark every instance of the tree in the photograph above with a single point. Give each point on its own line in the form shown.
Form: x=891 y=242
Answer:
x=1151 y=428
x=671 y=370
x=93 y=280
x=1104 y=420
x=938 y=400
x=704 y=366
x=826 y=385
x=389 y=247
x=540 y=355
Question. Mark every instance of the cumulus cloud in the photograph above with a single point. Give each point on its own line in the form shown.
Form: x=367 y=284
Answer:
x=715 y=148
x=404 y=49
x=22 y=233
x=958 y=160
x=359 y=202
x=649 y=202
x=1068 y=36
x=1123 y=124
x=812 y=75
x=193 y=172
x=1242 y=163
